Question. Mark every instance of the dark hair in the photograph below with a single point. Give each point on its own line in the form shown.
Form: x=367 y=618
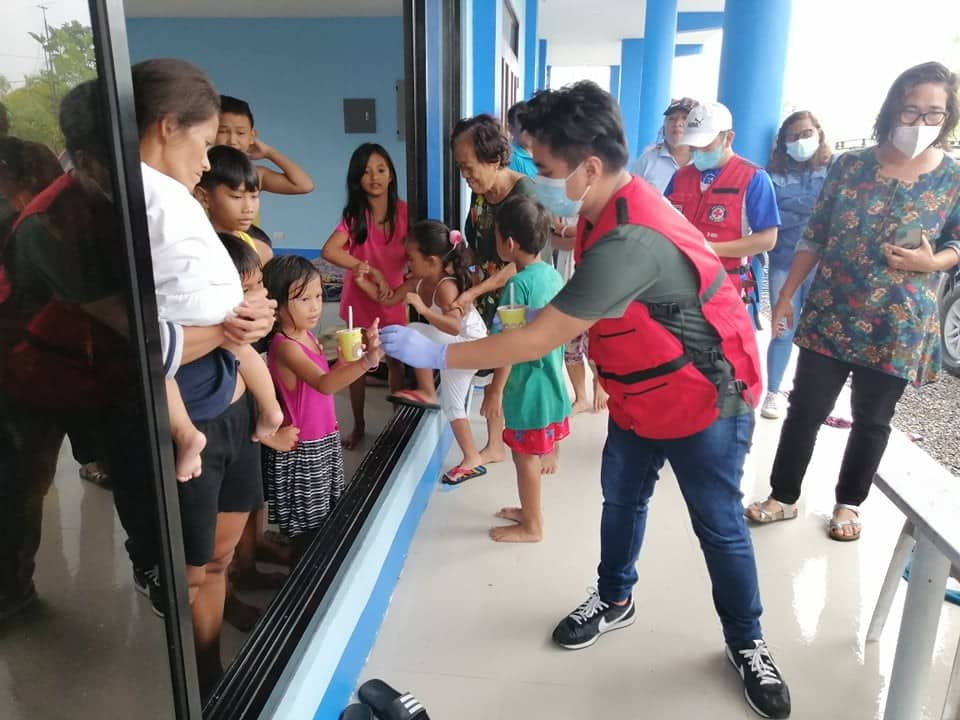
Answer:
x=929 y=72
x=167 y=87
x=230 y=167
x=358 y=204
x=235 y=106
x=489 y=143
x=515 y=114
x=781 y=162
x=27 y=166
x=577 y=121
x=433 y=239
x=244 y=257
x=82 y=122
x=286 y=274
x=526 y=221
x=4 y=120
x=258 y=233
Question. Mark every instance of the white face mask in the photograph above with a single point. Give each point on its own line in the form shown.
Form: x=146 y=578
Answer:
x=803 y=149
x=912 y=140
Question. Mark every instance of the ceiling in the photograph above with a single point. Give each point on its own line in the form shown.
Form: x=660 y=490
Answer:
x=263 y=8
x=589 y=33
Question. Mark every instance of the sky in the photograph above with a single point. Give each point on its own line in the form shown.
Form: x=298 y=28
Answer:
x=19 y=53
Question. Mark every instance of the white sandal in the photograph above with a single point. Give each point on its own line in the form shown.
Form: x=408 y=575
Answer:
x=755 y=512
x=837 y=526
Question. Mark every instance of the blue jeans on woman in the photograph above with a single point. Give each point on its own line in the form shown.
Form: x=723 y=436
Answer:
x=708 y=466
x=780 y=347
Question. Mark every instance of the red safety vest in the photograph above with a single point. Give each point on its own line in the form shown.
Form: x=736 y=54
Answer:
x=717 y=212
x=655 y=389
x=53 y=364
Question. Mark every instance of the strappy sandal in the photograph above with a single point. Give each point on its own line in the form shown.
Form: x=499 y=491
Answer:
x=837 y=526
x=755 y=512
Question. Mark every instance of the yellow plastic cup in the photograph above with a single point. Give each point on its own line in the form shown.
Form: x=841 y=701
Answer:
x=351 y=343
x=512 y=316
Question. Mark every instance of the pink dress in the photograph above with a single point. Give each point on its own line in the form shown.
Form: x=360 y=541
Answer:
x=388 y=256
x=303 y=485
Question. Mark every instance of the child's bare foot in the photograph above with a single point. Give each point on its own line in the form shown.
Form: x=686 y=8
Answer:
x=495 y=453
x=550 y=463
x=355 y=438
x=515 y=534
x=188 y=444
x=239 y=614
x=268 y=422
x=599 y=397
x=580 y=405
x=514 y=514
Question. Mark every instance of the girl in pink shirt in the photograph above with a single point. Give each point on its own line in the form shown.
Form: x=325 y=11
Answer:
x=369 y=241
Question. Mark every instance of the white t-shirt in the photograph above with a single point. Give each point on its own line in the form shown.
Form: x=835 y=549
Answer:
x=196 y=282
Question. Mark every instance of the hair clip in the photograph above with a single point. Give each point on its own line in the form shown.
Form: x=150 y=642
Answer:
x=455 y=237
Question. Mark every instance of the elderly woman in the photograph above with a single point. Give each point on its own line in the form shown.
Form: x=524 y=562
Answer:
x=885 y=225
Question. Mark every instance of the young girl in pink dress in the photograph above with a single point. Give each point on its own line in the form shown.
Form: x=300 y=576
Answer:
x=304 y=484
x=369 y=241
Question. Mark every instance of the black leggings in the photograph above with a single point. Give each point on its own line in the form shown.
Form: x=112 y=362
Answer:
x=816 y=386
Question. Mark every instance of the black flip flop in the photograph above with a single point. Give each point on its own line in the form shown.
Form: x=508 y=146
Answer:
x=357 y=711
x=388 y=704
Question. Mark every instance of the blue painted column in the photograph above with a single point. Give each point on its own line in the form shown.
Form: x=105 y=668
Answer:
x=631 y=78
x=542 y=65
x=659 y=39
x=752 y=64
x=531 y=24
x=615 y=81
x=486 y=58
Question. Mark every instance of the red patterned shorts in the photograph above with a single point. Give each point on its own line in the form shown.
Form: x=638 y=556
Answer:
x=537 y=442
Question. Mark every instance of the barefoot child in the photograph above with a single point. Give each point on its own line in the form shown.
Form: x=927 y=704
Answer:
x=369 y=239
x=440 y=262
x=303 y=484
x=535 y=401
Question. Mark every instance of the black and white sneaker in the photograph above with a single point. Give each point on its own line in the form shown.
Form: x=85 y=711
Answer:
x=147 y=583
x=593 y=618
x=763 y=686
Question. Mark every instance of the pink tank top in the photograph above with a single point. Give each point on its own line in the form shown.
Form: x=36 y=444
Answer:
x=310 y=410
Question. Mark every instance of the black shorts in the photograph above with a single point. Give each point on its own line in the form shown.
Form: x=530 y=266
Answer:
x=230 y=482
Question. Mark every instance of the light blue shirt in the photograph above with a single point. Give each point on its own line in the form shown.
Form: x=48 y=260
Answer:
x=522 y=162
x=656 y=165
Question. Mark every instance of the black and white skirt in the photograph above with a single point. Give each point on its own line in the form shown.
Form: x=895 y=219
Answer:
x=303 y=485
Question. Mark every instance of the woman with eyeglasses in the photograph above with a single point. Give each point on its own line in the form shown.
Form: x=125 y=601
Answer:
x=886 y=223
x=797 y=166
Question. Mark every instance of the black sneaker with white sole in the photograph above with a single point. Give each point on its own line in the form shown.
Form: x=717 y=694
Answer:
x=763 y=685
x=593 y=618
x=147 y=583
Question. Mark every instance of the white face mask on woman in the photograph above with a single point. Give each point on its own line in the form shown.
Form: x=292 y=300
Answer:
x=912 y=140
x=803 y=149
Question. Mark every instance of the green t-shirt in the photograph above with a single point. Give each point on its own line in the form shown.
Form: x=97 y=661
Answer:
x=636 y=263
x=535 y=395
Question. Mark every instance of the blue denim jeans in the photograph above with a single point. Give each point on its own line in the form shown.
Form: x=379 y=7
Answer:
x=780 y=347
x=708 y=467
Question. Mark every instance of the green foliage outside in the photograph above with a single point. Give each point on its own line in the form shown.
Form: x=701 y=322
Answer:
x=33 y=107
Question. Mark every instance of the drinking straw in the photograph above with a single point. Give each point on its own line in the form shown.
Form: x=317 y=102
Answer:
x=512 y=303
x=350 y=317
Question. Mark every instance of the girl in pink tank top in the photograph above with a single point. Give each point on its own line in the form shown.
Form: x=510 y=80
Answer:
x=304 y=484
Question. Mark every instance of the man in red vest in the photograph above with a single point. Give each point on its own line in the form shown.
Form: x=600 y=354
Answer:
x=729 y=199
x=676 y=352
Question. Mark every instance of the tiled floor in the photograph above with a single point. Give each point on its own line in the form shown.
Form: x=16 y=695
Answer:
x=468 y=630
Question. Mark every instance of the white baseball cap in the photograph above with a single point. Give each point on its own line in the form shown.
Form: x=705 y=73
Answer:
x=705 y=122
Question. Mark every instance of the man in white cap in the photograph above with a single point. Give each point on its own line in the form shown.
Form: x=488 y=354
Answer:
x=728 y=198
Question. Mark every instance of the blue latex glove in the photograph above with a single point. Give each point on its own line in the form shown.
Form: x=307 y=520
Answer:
x=410 y=347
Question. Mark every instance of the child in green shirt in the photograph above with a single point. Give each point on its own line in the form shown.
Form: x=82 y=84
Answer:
x=534 y=395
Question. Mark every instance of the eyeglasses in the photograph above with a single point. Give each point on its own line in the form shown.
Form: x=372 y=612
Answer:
x=931 y=117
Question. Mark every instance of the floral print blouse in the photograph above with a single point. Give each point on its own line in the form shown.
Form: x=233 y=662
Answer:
x=859 y=310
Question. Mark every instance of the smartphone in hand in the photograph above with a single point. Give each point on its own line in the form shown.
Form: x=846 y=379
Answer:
x=909 y=238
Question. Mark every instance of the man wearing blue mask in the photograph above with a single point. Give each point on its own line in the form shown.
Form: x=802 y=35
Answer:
x=728 y=198
x=674 y=349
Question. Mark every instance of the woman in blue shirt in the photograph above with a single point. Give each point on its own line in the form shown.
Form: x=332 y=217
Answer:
x=798 y=166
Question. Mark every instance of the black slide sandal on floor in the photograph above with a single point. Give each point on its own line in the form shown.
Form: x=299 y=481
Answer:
x=388 y=704
x=357 y=711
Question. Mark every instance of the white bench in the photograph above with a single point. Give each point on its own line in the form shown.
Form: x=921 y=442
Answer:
x=929 y=496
